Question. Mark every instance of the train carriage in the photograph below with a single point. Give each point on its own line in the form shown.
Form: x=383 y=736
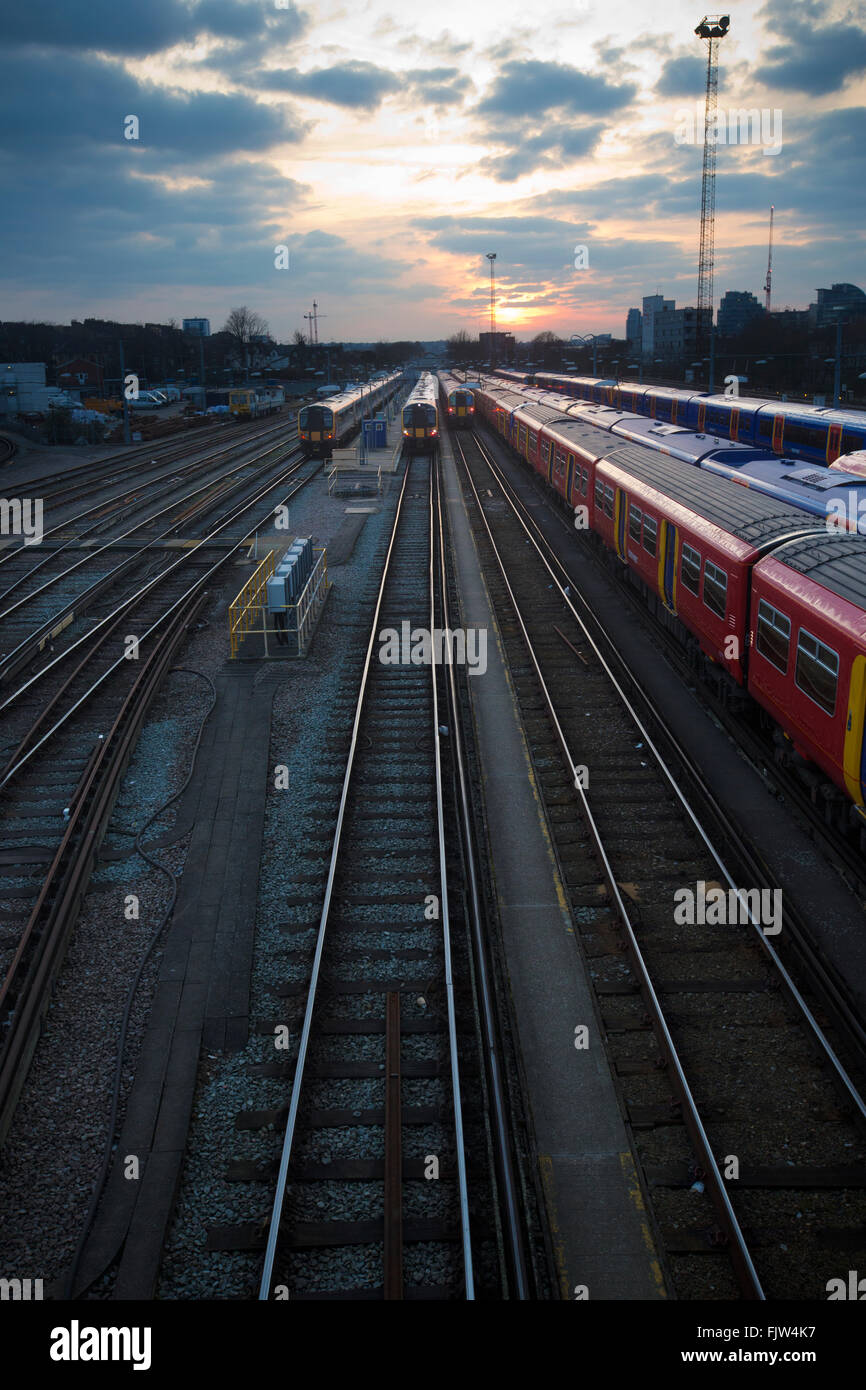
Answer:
x=324 y=425
x=704 y=536
x=457 y=401
x=808 y=662
x=421 y=416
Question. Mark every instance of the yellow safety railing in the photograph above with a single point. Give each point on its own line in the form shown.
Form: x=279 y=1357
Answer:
x=249 y=602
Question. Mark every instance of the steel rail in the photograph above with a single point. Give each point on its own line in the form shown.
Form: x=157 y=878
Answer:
x=132 y=599
x=306 y=1030
x=844 y=1080
x=465 y=1234
x=12 y=661
x=741 y=1256
x=506 y=1173
x=12 y=553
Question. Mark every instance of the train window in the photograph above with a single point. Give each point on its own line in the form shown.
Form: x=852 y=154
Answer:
x=715 y=589
x=852 y=441
x=650 y=532
x=584 y=481
x=634 y=521
x=773 y=635
x=690 y=569
x=765 y=427
x=521 y=437
x=548 y=451
x=599 y=495
x=533 y=442
x=608 y=500
x=817 y=672
x=813 y=435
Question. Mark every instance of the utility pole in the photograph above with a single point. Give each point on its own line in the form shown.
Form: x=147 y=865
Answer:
x=491 y=256
x=768 y=283
x=712 y=28
x=127 y=439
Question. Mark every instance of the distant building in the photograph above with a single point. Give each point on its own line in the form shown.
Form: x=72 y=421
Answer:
x=790 y=319
x=652 y=304
x=737 y=309
x=674 y=332
x=634 y=330
x=199 y=327
x=80 y=375
x=498 y=345
x=849 y=298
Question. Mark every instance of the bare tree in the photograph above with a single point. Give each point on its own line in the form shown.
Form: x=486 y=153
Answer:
x=243 y=325
x=299 y=339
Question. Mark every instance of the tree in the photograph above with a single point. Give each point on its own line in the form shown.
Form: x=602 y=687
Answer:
x=243 y=325
x=299 y=339
x=462 y=348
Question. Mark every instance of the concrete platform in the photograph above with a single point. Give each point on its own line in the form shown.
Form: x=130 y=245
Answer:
x=601 y=1234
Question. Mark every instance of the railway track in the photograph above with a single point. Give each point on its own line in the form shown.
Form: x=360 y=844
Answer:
x=746 y=1125
x=384 y=1186
x=379 y=1016
x=69 y=732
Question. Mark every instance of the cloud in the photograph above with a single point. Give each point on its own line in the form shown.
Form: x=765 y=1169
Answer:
x=112 y=27
x=353 y=84
x=529 y=88
x=685 y=76
x=814 y=58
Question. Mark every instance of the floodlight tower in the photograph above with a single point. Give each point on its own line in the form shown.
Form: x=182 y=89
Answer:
x=768 y=283
x=712 y=28
x=491 y=256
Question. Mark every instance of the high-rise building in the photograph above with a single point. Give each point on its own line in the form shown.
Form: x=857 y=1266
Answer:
x=199 y=327
x=633 y=329
x=737 y=309
x=674 y=332
x=849 y=299
x=652 y=304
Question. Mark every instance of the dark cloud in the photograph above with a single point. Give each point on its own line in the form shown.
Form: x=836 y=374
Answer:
x=685 y=76
x=87 y=109
x=533 y=149
x=113 y=27
x=354 y=84
x=813 y=57
x=530 y=88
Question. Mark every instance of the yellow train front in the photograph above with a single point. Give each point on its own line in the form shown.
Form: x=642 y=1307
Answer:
x=316 y=429
x=243 y=404
x=421 y=417
x=457 y=401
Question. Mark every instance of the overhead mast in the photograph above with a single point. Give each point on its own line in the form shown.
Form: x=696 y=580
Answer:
x=712 y=28
x=768 y=283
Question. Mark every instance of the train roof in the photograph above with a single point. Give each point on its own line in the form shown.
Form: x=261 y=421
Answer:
x=424 y=391
x=752 y=517
x=837 y=562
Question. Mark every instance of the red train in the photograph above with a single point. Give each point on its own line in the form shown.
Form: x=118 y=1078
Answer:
x=775 y=603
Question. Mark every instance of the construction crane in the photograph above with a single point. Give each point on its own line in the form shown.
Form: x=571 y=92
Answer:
x=314 y=322
x=712 y=28
x=768 y=283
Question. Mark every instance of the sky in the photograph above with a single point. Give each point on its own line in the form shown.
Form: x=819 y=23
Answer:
x=369 y=156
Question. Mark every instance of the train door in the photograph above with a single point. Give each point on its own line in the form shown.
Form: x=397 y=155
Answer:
x=834 y=443
x=621 y=522
x=735 y=422
x=668 y=566
x=702 y=415
x=778 y=433
x=854 y=756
